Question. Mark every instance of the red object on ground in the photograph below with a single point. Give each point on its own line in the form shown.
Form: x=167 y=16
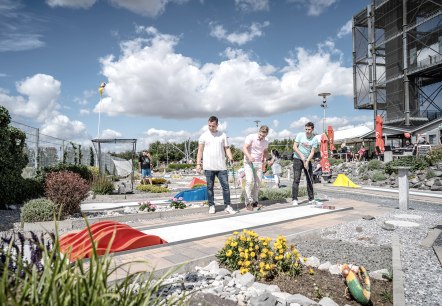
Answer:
x=379 y=140
x=106 y=234
x=196 y=181
x=323 y=148
x=331 y=138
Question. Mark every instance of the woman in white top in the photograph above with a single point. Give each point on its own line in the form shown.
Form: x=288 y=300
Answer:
x=276 y=167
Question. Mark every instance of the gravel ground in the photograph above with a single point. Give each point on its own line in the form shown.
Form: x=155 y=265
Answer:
x=365 y=242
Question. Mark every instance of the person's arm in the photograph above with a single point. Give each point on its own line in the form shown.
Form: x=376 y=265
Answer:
x=229 y=154
x=296 y=149
x=199 y=155
x=310 y=157
x=246 y=152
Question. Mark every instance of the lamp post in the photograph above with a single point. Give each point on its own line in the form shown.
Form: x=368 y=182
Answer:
x=257 y=124
x=324 y=96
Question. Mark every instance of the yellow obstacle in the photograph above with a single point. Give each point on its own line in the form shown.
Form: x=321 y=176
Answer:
x=343 y=181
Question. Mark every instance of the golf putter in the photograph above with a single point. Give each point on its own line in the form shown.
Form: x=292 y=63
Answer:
x=311 y=181
x=234 y=187
x=254 y=181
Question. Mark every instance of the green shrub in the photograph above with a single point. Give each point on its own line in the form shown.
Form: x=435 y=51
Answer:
x=84 y=171
x=434 y=156
x=38 y=210
x=335 y=161
x=178 y=203
x=67 y=190
x=29 y=189
x=147 y=206
x=375 y=164
x=13 y=160
x=378 y=176
x=51 y=279
x=102 y=185
x=407 y=161
x=152 y=188
x=272 y=194
x=173 y=167
x=158 y=180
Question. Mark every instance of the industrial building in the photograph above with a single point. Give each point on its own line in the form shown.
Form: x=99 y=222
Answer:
x=397 y=64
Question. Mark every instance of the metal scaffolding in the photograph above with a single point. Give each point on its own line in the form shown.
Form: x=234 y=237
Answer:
x=397 y=60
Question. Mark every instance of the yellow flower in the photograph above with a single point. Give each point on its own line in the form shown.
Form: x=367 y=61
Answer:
x=250 y=249
x=265 y=250
x=267 y=267
x=281 y=251
x=247 y=263
x=261 y=264
x=310 y=271
x=264 y=243
x=235 y=233
x=229 y=253
x=256 y=247
x=304 y=259
x=239 y=263
x=241 y=254
x=233 y=244
x=252 y=254
x=240 y=249
x=270 y=253
x=263 y=255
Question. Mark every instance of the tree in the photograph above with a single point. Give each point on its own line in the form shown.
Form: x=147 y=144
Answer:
x=13 y=160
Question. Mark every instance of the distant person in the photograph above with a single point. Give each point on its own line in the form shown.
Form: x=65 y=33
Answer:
x=275 y=163
x=145 y=165
x=361 y=152
x=255 y=150
x=304 y=149
x=213 y=148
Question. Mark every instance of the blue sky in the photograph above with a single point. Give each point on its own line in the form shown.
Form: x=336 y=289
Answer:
x=170 y=64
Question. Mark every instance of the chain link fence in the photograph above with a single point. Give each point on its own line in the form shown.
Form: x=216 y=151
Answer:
x=44 y=150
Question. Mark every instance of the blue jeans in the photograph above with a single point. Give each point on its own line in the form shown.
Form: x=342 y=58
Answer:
x=298 y=167
x=223 y=179
x=146 y=173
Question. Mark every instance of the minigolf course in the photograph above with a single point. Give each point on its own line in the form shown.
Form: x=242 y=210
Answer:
x=343 y=181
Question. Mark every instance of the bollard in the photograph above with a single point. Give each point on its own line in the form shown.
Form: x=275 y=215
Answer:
x=403 y=187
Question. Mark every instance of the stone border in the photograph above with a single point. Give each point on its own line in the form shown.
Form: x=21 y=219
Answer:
x=72 y=224
x=398 y=274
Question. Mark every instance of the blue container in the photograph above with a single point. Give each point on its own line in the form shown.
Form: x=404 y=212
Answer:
x=197 y=194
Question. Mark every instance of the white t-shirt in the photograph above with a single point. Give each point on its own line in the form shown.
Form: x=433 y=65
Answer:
x=214 y=154
x=256 y=147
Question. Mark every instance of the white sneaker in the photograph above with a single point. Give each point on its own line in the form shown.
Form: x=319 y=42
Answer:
x=229 y=210
x=211 y=209
x=295 y=203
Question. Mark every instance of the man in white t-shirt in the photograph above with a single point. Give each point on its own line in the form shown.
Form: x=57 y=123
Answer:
x=255 y=153
x=213 y=148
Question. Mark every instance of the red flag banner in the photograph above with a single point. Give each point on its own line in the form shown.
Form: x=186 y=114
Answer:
x=378 y=129
x=323 y=148
x=331 y=138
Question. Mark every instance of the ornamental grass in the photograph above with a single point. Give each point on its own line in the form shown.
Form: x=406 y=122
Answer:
x=261 y=256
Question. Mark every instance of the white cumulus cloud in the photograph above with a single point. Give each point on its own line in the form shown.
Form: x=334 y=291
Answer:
x=239 y=38
x=84 y=4
x=346 y=29
x=150 y=78
x=252 y=5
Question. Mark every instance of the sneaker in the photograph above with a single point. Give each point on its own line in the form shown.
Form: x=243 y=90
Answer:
x=229 y=210
x=211 y=209
x=249 y=207
x=295 y=202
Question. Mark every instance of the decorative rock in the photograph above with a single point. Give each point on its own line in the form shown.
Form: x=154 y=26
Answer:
x=265 y=299
x=326 y=301
x=247 y=279
x=401 y=223
x=324 y=266
x=281 y=297
x=335 y=269
x=368 y=217
x=312 y=262
x=208 y=299
x=378 y=274
x=359 y=229
x=387 y=226
x=300 y=299
x=213 y=265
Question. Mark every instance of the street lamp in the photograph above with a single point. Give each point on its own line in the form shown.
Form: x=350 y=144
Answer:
x=257 y=124
x=324 y=96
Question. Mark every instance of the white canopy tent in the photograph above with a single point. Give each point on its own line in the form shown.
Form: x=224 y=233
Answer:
x=349 y=136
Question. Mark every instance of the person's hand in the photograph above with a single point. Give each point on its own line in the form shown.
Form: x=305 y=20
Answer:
x=231 y=162
x=198 y=168
x=305 y=164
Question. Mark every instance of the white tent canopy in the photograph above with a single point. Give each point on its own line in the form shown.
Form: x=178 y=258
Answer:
x=349 y=135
